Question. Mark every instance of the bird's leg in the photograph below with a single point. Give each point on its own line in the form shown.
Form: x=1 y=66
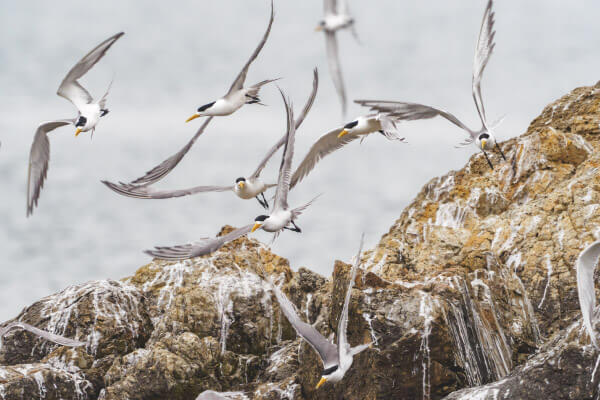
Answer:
x=261 y=202
x=488 y=159
x=500 y=150
x=295 y=228
x=265 y=200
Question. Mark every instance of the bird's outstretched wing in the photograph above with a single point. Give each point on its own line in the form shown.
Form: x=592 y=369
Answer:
x=147 y=192
x=41 y=333
x=298 y=122
x=334 y=67
x=327 y=144
x=585 y=265
x=200 y=248
x=285 y=169
x=326 y=350
x=163 y=169
x=70 y=88
x=483 y=52
x=329 y=7
x=343 y=346
x=39 y=157
x=403 y=111
x=238 y=83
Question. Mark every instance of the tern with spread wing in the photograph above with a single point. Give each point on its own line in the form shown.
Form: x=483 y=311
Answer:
x=585 y=266
x=89 y=113
x=337 y=359
x=39 y=332
x=245 y=187
x=280 y=218
x=483 y=138
x=212 y=395
x=339 y=137
x=337 y=16
x=238 y=95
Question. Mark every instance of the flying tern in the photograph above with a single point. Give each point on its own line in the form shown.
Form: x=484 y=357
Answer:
x=337 y=359
x=39 y=332
x=279 y=219
x=245 y=187
x=483 y=138
x=89 y=113
x=585 y=265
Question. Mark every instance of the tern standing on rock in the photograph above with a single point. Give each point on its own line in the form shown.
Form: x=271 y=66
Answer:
x=337 y=359
x=245 y=187
x=281 y=215
x=89 y=114
x=337 y=16
x=483 y=138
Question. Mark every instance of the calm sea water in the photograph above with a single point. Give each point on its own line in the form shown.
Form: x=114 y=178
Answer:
x=177 y=57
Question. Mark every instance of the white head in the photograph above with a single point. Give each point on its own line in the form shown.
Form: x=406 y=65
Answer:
x=240 y=183
x=331 y=374
x=80 y=124
x=485 y=140
x=259 y=222
x=356 y=126
x=201 y=112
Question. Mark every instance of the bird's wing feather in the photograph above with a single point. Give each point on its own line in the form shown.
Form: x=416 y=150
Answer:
x=586 y=264
x=326 y=350
x=70 y=88
x=146 y=192
x=238 y=83
x=329 y=6
x=41 y=333
x=283 y=182
x=163 y=169
x=483 y=52
x=200 y=248
x=327 y=144
x=403 y=111
x=39 y=157
x=335 y=68
x=298 y=122
x=343 y=346
x=296 y=212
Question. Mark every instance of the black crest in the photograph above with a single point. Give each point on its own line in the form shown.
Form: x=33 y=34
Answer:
x=205 y=107
x=241 y=179
x=329 y=370
x=81 y=121
x=351 y=125
x=261 y=218
x=484 y=136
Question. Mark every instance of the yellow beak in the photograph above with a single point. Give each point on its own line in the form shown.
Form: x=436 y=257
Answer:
x=321 y=382
x=241 y=185
x=256 y=226
x=342 y=133
x=192 y=117
x=319 y=28
x=77 y=132
x=483 y=142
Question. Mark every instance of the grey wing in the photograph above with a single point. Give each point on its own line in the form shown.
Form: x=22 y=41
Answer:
x=335 y=68
x=163 y=169
x=285 y=174
x=327 y=350
x=483 y=52
x=330 y=6
x=238 y=83
x=403 y=111
x=586 y=264
x=41 y=333
x=343 y=346
x=298 y=122
x=146 y=192
x=326 y=144
x=296 y=212
x=39 y=157
x=200 y=248
x=70 y=88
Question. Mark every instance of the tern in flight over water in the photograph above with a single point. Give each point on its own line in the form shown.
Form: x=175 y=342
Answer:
x=279 y=219
x=337 y=359
x=483 y=138
x=89 y=113
x=245 y=187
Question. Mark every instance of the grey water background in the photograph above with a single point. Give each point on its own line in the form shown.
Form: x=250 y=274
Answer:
x=176 y=56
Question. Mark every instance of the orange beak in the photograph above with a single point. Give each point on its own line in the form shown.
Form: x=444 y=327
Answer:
x=342 y=133
x=192 y=117
x=77 y=132
x=321 y=382
x=256 y=226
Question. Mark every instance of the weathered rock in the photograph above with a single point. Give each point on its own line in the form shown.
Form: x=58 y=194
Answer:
x=470 y=295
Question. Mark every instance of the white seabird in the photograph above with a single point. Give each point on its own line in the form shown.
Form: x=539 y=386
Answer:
x=336 y=359
x=585 y=266
x=336 y=16
x=280 y=217
x=39 y=332
x=246 y=187
x=483 y=138
x=89 y=113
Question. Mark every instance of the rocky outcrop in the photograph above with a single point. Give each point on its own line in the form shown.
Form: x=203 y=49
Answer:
x=470 y=295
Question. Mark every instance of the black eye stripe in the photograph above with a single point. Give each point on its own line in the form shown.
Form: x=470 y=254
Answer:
x=351 y=125
x=330 y=370
x=261 y=218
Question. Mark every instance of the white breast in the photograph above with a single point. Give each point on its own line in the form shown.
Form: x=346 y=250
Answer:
x=227 y=105
x=252 y=188
x=334 y=22
x=277 y=221
x=92 y=114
